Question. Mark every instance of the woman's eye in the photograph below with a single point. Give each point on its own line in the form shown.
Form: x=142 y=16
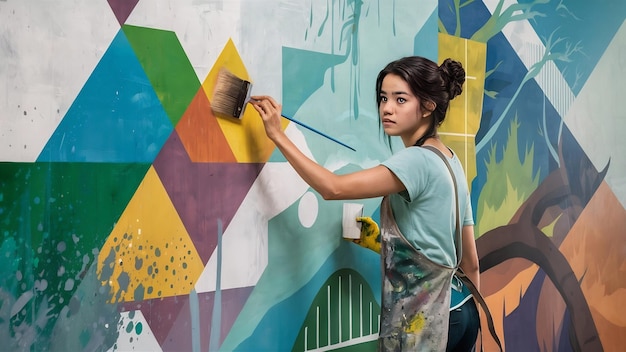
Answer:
x=383 y=99
x=401 y=100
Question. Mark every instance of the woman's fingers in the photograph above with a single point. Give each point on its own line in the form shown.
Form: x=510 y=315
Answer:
x=257 y=107
x=260 y=98
x=264 y=99
x=269 y=111
x=272 y=102
x=265 y=104
x=261 y=106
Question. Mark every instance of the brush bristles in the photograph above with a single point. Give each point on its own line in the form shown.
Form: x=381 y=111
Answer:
x=230 y=95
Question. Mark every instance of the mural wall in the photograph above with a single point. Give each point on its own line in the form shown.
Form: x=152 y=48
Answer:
x=134 y=219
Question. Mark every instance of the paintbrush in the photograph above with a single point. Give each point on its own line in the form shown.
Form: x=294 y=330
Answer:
x=231 y=95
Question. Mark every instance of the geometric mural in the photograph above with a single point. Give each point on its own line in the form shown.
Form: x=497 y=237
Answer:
x=133 y=218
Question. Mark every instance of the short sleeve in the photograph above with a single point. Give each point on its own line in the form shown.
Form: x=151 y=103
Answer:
x=408 y=166
x=469 y=216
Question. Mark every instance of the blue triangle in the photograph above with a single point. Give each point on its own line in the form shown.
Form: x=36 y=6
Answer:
x=116 y=117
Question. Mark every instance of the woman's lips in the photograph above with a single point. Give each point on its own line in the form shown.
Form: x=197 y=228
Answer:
x=387 y=122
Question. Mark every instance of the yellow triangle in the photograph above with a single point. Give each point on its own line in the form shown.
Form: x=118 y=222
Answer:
x=246 y=136
x=149 y=253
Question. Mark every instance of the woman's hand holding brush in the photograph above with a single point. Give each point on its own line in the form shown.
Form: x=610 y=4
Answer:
x=270 y=111
x=231 y=94
x=315 y=175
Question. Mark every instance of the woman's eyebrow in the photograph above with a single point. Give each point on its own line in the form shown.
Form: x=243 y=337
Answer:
x=398 y=92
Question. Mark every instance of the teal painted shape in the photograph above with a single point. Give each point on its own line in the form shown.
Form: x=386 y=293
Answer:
x=116 y=117
x=303 y=74
x=426 y=44
x=306 y=257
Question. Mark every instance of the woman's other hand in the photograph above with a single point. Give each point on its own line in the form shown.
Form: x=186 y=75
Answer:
x=370 y=234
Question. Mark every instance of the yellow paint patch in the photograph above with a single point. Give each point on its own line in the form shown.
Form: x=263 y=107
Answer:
x=459 y=129
x=246 y=136
x=149 y=253
x=417 y=324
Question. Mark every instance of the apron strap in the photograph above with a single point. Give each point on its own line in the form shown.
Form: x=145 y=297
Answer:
x=459 y=250
x=457 y=238
x=479 y=298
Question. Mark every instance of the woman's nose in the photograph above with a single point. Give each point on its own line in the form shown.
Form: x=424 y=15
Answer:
x=386 y=107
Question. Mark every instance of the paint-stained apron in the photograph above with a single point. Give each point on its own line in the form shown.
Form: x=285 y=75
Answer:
x=415 y=293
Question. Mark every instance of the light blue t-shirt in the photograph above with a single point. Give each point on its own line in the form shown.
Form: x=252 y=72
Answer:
x=425 y=212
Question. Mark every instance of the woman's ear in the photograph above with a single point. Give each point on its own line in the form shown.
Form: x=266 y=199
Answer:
x=429 y=106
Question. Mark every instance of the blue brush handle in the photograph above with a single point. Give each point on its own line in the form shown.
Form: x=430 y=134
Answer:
x=318 y=132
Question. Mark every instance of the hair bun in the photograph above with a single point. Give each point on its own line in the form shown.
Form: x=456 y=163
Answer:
x=453 y=76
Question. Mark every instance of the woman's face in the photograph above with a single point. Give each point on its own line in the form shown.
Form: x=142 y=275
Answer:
x=400 y=111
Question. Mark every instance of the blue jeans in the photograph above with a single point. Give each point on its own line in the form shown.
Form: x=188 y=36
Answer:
x=463 y=329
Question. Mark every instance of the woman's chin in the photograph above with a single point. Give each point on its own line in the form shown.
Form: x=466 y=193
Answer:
x=390 y=131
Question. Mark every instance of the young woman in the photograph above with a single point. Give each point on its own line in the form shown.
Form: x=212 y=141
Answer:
x=418 y=211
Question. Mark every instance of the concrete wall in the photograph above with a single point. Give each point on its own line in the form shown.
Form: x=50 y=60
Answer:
x=133 y=218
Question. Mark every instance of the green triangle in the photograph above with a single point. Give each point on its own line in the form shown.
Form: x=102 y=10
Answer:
x=163 y=59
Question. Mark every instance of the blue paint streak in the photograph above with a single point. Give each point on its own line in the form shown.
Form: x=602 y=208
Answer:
x=194 y=310
x=216 y=320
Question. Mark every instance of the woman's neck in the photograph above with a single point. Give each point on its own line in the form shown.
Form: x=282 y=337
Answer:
x=437 y=143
